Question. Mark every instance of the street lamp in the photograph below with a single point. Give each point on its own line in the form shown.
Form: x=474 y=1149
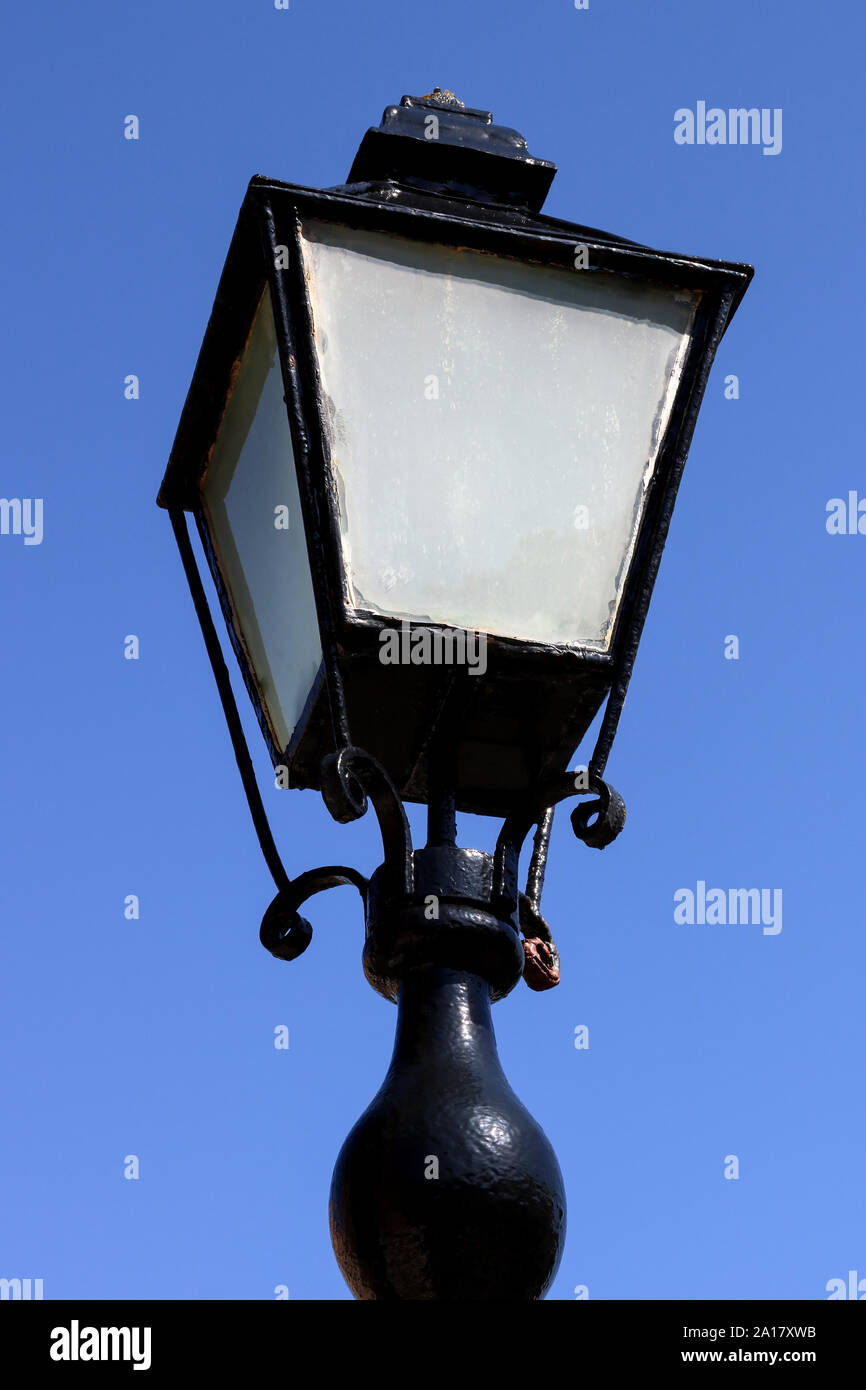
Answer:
x=431 y=446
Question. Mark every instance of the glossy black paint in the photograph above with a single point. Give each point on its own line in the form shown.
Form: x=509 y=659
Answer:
x=436 y=144
x=479 y=910
x=446 y=1188
x=490 y=1224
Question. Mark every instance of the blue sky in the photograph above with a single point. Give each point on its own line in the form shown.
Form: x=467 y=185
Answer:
x=155 y=1037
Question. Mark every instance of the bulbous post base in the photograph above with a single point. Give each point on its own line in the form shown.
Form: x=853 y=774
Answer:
x=447 y=1188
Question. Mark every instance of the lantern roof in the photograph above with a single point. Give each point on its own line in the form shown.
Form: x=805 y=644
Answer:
x=436 y=142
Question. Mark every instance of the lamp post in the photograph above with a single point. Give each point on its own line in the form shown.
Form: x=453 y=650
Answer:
x=432 y=446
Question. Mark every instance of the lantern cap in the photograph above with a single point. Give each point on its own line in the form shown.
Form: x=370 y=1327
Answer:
x=436 y=142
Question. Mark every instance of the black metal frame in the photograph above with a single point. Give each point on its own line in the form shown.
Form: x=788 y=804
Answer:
x=273 y=214
x=479 y=190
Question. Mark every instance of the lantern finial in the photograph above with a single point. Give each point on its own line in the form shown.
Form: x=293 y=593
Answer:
x=446 y=98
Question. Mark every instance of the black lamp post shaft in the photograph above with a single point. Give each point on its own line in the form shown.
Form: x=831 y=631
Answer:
x=447 y=1188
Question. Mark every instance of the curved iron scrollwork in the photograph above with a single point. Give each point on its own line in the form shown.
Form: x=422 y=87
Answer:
x=350 y=777
x=607 y=814
x=597 y=823
x=284 y=932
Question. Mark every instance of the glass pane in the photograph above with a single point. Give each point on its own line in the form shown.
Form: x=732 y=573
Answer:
x=253 y=513
x=494 y=428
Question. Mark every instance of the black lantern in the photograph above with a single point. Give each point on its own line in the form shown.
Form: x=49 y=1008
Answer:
x=432 y=446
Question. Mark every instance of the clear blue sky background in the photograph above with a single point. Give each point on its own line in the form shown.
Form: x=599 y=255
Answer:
x=155 y=1037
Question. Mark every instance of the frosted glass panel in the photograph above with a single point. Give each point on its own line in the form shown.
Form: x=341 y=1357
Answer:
x=494 y=428
x=250 y=491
